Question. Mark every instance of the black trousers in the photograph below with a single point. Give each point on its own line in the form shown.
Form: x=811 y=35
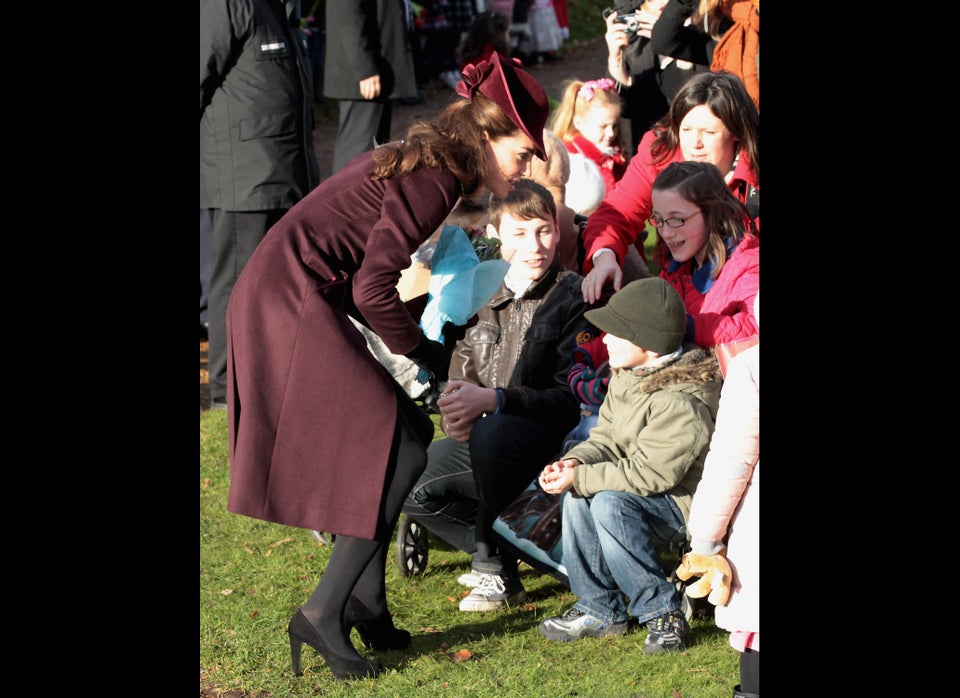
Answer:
x=236 y=235
x=363 y=124
x=503 y=456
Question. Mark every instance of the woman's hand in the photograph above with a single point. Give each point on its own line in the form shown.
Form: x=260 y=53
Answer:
x=617 y=41
x=616 y=36
x=605 y=269
x=557 y=477
x=646 y=20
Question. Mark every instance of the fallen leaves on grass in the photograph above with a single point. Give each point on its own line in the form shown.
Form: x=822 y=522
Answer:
x=458 y=656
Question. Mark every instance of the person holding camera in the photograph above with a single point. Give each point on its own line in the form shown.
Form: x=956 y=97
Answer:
x=632 y=63
x=651 y=65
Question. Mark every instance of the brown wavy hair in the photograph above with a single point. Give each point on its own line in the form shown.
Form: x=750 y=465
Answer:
x=727 y=97
x=453 y=142
x=724 y=215
x=527 y=200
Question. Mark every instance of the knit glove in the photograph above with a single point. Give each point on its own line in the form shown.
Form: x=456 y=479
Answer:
x=584 y=383
x=432 y=357
x=715 y=577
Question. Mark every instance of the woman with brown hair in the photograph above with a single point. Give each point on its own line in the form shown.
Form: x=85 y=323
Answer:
x=297 y=457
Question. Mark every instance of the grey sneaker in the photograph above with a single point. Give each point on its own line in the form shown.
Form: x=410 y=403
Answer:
x=469 y=579
x=575 y=624
x=667 y=633
x=493 y=592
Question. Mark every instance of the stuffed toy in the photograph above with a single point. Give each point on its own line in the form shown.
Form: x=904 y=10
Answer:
x=715 y=577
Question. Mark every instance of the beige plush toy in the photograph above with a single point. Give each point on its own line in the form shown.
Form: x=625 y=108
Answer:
x=715 y=577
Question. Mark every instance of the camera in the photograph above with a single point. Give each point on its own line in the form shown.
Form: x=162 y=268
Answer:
x=630 y=19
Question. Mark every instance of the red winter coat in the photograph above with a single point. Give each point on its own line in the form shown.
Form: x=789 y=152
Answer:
x=725 y=311
x=312 y=412
x=623 y=213
x=611 y=167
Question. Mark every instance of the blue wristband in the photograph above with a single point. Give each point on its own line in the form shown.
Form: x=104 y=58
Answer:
x=499 y=400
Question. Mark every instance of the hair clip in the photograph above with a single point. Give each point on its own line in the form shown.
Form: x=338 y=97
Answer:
x=590 y=85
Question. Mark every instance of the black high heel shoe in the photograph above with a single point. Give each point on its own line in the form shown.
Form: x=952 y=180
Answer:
x=300 y=631
x=376 y=632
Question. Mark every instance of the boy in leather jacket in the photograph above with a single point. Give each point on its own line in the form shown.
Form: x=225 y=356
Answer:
x=507 y=406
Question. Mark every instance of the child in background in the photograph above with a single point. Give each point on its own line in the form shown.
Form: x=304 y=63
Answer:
x=588 y=379
x=588 y=122
x=545 y=33
x=563 y=17
x=489 y=32
x=553 y=175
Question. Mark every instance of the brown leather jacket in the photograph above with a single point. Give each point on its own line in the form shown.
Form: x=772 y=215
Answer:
x=524 y=346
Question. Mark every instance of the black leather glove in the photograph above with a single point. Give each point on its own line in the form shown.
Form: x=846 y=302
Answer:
x=432 y=357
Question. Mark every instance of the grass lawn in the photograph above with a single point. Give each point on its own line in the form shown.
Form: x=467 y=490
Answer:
x=253 y=576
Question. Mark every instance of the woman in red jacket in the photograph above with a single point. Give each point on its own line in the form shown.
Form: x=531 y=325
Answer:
x=297 y=457
x=705 y=253
x=712 y=119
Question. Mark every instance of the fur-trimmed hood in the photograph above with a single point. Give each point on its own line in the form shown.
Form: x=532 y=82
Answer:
x=694 y=365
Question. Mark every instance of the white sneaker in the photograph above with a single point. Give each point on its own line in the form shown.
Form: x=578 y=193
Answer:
x=469 y=579
x=494 y=592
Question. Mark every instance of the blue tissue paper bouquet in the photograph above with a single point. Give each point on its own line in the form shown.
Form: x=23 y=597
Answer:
x=459 y=284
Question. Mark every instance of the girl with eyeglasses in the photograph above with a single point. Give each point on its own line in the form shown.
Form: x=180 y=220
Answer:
x=706 y=252
x=712 y=119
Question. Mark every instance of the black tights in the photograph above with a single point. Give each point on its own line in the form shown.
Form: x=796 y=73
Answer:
x=750 y=671
x=357 y=566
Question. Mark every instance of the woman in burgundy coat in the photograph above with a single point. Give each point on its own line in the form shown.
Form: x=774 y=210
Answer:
x=320 y=435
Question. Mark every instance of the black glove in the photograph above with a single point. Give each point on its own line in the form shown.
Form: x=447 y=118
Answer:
x=432 y=357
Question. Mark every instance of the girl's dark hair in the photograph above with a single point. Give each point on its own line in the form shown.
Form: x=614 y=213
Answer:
x=726 y=96
x=488 y=27
x=724 y=215
x=527 y=200
x=453 y=142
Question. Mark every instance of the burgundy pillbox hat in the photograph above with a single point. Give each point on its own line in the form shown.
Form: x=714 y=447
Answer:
x=516 y=92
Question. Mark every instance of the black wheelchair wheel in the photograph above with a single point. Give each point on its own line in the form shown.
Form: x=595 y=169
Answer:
x=412 y=547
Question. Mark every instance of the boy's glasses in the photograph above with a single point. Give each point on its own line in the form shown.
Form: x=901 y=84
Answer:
x=670 y=222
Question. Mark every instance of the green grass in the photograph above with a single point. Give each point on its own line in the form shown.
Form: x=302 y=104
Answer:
x=253 y=575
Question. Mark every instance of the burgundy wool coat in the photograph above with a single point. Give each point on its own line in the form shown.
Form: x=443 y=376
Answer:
x=311 y=411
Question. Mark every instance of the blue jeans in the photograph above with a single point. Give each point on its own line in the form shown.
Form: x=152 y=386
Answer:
x=589 y=416
x=610 y=556
x=466 y=485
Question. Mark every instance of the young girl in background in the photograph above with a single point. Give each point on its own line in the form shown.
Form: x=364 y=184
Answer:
x=545 y=33
x=588 y=122
x=489 y=32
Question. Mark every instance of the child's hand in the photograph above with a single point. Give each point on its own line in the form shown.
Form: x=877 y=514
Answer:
x=715 y=577
x=557 y=477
